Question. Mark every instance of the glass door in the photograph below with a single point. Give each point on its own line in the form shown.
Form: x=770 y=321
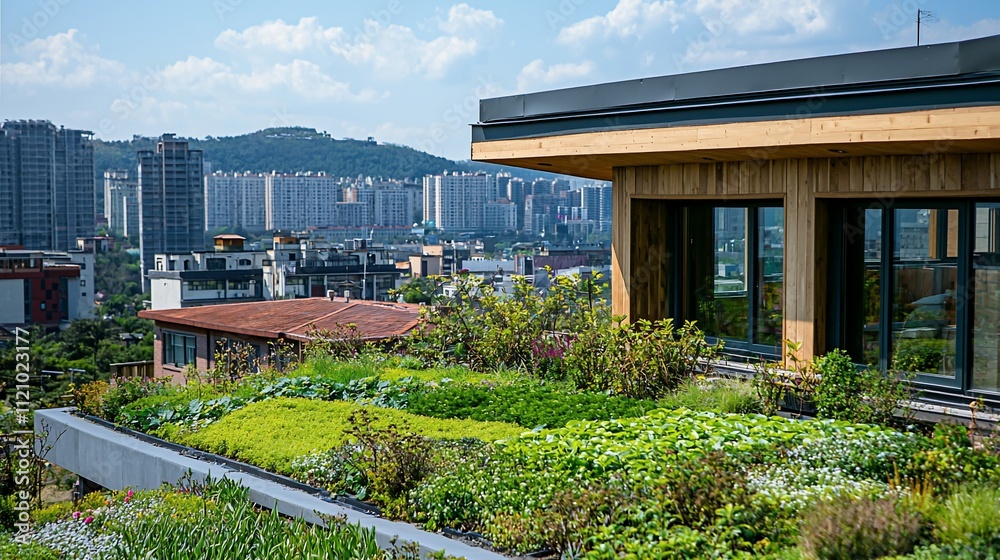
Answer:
x=923 y=299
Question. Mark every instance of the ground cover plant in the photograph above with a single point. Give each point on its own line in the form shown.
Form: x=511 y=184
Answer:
x=183 y=523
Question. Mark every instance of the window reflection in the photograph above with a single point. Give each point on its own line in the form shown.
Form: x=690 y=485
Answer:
x=770 y=275
x=722 y=302
x=925 y=278
x=986 y=299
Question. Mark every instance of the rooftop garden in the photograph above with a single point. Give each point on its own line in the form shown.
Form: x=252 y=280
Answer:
x=547 y=425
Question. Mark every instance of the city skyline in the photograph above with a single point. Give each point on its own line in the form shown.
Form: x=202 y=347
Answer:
x=401 y=72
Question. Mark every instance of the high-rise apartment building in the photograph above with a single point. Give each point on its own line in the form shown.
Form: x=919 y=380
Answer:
x=598 y=202
x=121 y=201
x=500 y=216
x=393 y=207
x=46 y=185
x=456 y=201
x=300 y=200
x=235 y=200
x=171 y=200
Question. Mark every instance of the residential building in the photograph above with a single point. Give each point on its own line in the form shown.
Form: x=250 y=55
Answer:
x=171 y=201
x=301 y=200
x=351 y=214
x=46 y=185
x=457 y=201
x=598 y=202
x=274 y=330
x=229 y=273
x=300 y=267
x=393 y=207
x=500 y=216
x=121 y=202
x=846 y=202
x=44 y=287
x=235 y=200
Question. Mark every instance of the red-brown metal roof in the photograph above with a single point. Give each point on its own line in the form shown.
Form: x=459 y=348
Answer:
x=294 y=318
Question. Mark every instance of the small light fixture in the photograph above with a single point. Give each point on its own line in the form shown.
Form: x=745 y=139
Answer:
x=836 y=151
x=543 y=164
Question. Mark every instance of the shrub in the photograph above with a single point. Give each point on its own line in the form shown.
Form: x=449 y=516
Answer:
x=390 y=462
x=845 y=392
x=88 y=397
x=971 y=511
x=859 y=529
x=126 y=392
x=641 y=359
x=950 y=459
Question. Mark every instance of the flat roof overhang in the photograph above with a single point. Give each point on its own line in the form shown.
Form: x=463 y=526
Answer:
x=913 y=100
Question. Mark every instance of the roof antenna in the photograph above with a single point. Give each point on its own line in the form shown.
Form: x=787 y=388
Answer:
x=922 y=16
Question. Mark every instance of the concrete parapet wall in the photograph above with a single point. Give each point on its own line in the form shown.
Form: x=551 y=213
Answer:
x=116 y=460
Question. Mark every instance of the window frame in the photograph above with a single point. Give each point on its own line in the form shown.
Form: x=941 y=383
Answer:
x=169 y=346
x=741 y=348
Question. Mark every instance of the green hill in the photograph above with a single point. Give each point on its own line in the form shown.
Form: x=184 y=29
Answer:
x=287 y=150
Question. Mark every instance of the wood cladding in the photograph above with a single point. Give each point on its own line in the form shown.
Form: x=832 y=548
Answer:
x=594 y=154
x=641 y=263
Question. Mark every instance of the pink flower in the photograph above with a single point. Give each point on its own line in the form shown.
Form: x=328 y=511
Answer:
x=127 y=499
x=89 y=519
x=130 y=493
x=76 y=515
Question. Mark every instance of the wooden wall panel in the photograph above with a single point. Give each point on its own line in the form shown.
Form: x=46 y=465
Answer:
x=640 y=226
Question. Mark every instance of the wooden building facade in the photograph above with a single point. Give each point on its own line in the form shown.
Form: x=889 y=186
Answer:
x=850 y=201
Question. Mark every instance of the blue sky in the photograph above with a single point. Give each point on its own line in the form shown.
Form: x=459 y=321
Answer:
x=406 y=72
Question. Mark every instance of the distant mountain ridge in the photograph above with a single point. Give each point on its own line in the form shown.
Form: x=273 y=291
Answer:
x=292 y=149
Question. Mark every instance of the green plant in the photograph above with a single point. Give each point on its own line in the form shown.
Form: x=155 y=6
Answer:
x=859 y=529
x=642 y=359
x=845 y=392
x=270 y=434
x=391 y=462
x=719 y=394
x=125 y=392
x=925 y=355
x=528 y=404
x=88 y=397
x=971 y=511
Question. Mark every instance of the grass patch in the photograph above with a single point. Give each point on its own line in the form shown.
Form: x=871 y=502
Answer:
x=972 y=511
x=730 y=396
x=270 y=434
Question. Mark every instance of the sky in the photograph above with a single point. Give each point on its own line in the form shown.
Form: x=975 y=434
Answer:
x=405 y=72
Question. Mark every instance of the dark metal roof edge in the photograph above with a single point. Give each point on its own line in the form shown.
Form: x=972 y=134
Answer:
x=841 y=71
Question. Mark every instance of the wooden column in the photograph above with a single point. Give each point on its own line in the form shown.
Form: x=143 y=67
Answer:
x=806 y=259
x=621 y=242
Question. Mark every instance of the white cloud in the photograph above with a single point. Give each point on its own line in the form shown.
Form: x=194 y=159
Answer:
x=393 y=51
x=629 y=18
x=789 y=18
x=60 y=60
x=465 y=20
x=208 y=76
x=534 y=74
x=281 y=37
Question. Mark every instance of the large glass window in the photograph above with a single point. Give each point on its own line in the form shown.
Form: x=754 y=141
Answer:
x=986 y=298
x=178 y=349
x=733 y=270
x=924 y=282
x=896 y=286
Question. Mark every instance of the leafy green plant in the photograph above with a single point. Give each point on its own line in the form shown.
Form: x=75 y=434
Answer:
x=920 y=354
x=641 y=359
x=527 y=404
x=859 y=529
x=845 y=392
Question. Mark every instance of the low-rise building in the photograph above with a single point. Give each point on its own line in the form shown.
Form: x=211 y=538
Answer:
x=274 y=330
x=229 y=273
x=45 y=288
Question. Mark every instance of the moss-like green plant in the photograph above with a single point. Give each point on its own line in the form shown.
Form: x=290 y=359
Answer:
x=270 y=434
x=971 y=511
